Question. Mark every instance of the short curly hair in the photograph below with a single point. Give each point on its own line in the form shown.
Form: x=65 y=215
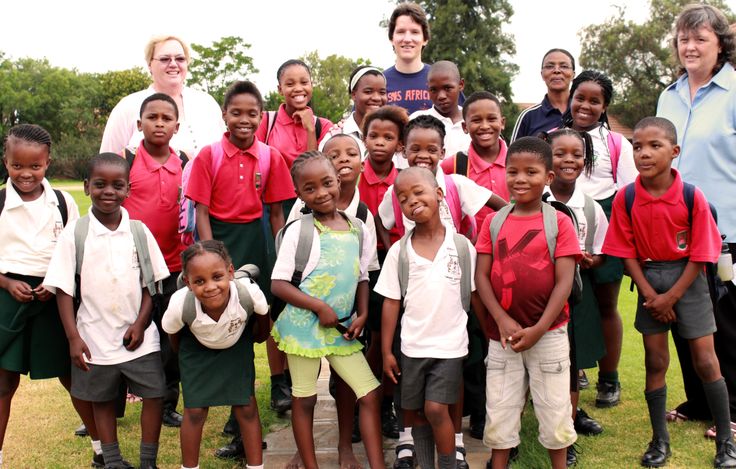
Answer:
x=695 y=16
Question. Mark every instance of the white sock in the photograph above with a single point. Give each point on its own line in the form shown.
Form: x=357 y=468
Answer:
x=405 y=438
x=248 y=466
x=97 y=446
x=459 y=440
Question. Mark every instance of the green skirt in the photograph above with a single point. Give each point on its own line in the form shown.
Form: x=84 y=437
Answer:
x=212 y=377
x=32 y=338
x=612 y=269
x=586 y=322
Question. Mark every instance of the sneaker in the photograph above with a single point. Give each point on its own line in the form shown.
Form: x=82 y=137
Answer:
x=280 y=395
x=407 y=462
x=585 y=425
x=583 y=382
x=171 y=418
x=81 y=431
x=725 y=454
x=572 y=456
x=389 y=423
x=609 y=394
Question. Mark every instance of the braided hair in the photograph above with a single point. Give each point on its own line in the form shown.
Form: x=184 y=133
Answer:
x=306 y=157
x=550 y=137
x=202 y=247
x=601 y=80
x=29 y=133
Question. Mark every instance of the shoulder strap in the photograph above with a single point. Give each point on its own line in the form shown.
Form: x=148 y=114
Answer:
x=549 y=219
x=629 y=195
x=461 y=163
x=63 y=209
x=404 y=264
x=3 y=194
x=590 y=222
x=217 y=153
x=303 y=248
x=362 y=212
x=398 y=214
x=614 y=149
x=688 y=194
x=129 y=156
x=463 y=256
x=246 y=301
x=80 y=236
x=189 y=310
x=359 y=227
x=453 y=202
x=264 y=163
x=270 y=121
x=497 y=222
x=144 y=256
x=317 y=128
x=184 y=159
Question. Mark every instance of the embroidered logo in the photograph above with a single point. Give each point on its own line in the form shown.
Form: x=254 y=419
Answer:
x=58 y=228
x=136 y=264
x=453 y=272
x=681 y=240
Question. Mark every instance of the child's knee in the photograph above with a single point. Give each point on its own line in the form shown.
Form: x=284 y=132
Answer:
x=248 y=412
x=436 y=412
x=706 y=366
x=196 y=416
x=8 y=384
x=656 y=362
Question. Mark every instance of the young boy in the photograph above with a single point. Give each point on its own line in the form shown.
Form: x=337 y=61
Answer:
x=434 y=339
x=111 y=338
x=445 y=87
x=665 y=259
x=525 y=288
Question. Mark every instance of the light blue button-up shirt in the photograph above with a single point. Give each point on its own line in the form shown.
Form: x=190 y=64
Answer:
x=706 y=131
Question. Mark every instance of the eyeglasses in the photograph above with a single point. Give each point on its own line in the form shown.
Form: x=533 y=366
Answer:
x=165 y=59
x=561 y=67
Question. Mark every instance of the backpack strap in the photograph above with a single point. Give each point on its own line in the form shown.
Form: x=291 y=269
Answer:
x=398 y=215
x=590 y=222
x=688 y=195
x=80 y=236
x=317 y=127
x=549 y=219
x=303 y=248
x=461 y=163
x=270 y=121
x=404 y=264
x=184 y=159
x=129 y=156
x=362 y=212
x=629 y=195
x=144 y=257
x=217 y=153
x=189 y=310
x=497 y=222
x=614 y=151
x=463 y=256
x=453 y=202
x=3 y=195
x=264 y=165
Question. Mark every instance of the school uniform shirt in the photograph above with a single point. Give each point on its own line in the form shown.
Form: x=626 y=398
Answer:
x=659 y=230
x=599 y=184
x=284 y=267
x=522 y=272
x=542 y=117
x=29 y=230
x=576 y=204
x=111 y=287
x=348 y=126
x=492 y=176
x=154 y=199
x=288 y=137
x=232 y=196
x=408 y=90
x=455 y=137
x=472 y=198
x=200 y=122
x=352 y=209
x=372 y=189
x=220 y=334
x=434 y=323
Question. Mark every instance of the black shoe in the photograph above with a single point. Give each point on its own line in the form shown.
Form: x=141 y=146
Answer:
x=572 y=456
x=725 y=454
x=231 y=427
x=171 y=418
x=356 y=437
x=585 y=425
x=406 y=462
x=147 y=466
x=99 y=461
x=280 y=394
x=389 y=423
x=232 y=450
x=462 y=463
x=609 y=394
x=583 y=382
x=477 y=425
x=656 y=454
x=81 y=431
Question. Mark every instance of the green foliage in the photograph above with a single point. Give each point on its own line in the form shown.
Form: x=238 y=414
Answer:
x=116 y=84
x=330 y=97
x=637 y=57
x=272 y=101
x=214 y=68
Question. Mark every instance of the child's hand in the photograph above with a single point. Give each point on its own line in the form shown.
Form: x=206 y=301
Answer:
x=666 y=317
x=355 y=328
x=305 y=118
x=587 y=261
x=42 y=294
x=21 y=291
x=77 y=351
x=133 y=337
x=507 y=327
x=327 y=316
x=391 y=368
x=660 y=305
x=525 y=339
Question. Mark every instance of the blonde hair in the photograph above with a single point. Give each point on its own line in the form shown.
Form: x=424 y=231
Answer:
x=156 y=40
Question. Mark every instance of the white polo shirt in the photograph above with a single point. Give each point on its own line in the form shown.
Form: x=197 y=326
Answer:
x=577 y=204
x=111 y=287
x=29 y=230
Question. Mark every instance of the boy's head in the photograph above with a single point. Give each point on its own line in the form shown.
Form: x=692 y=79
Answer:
x=425 y=142
x=445 y=85
x=383 y=132
x=159 y=119
x=26 y=156
x=107 y=183
x=241 y=111
x=483 y=119
x=528 y=169
x=655 y=146
x=344 y=152
x=419 y=194
x=408 y=31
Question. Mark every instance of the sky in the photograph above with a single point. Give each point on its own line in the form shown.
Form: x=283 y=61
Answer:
x=96 y=36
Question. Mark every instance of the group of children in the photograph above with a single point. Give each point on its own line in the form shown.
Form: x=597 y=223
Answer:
x=432 y=263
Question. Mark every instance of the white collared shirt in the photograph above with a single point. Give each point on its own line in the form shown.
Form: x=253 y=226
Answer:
x=455 y=137
x=576 y=204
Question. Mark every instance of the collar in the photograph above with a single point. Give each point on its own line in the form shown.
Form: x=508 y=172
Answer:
x=435 y=113
x=547 y=107
x=349 y=126
x=480 y=165
x=353 y=205
x=171 y=164
x=673 y=196
x=283 y=117
x=723 y=79
x=231 y=150
x=13 y=200
x=98 y=229
x=577 y=200
x=370 y=175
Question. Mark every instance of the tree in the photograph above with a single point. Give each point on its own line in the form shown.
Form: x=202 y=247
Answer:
x=272 y=101
x=214 y=68
x=330 y=97
x=115 y=85
x=637 y=57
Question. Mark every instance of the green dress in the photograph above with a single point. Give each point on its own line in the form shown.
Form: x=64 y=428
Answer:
x=334 y=280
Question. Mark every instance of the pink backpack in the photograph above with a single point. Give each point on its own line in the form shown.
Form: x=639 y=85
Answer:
x=614 y=148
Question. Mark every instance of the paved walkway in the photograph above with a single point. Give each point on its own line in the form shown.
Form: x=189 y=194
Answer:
x=281 y=446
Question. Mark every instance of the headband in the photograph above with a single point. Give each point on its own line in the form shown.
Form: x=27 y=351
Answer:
x=360 y=73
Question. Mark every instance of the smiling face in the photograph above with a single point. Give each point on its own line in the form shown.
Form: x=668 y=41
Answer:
x=242 y=117
x=408 y=39
x=344 y=153
x=698 y=51
x=424 y=148
x=382 y=140
x=419 y=200
x=568 y=158
x=169 y=65
x=26 y=163
x=108 y=187
x=587 y=105
x=208 y=276
x=295 y=85
x=318 y=185
x=653 y=152
x=369 y=94
x=158 y=123
x=526 y=177
x=557 y=71
x=484 y=123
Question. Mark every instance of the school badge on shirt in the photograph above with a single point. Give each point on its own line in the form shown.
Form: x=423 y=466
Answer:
x=681 y=240
x=453 y=272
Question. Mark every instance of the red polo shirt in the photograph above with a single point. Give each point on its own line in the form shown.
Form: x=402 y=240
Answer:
x=154 y=200
x=287 y=136
x=660 y=231
x=372 y=188
x=232 y=196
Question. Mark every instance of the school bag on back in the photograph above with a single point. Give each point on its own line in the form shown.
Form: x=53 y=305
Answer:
x=63 y=209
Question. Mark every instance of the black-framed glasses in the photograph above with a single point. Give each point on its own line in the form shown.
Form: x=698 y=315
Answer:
x=166 y=59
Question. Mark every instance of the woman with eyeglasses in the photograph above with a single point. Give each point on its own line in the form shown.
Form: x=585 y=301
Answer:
x=558 y=69
x=200 y=117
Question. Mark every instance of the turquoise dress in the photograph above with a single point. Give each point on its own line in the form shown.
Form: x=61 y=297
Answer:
x=334 y=280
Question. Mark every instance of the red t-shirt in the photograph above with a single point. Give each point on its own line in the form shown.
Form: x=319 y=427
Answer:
x=154 y=200
x=660 y=230
x=287 y=136
x=372 y=189
x=522 y=273
x=232 y=197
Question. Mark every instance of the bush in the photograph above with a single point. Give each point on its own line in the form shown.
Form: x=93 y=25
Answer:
x=69 y=157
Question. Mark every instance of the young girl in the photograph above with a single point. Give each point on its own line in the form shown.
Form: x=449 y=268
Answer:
x=215 y=345
x=32 y=215
x=613 y=168
x=305 y=330
x=572 y=156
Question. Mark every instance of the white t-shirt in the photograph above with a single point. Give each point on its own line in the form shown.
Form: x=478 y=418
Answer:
x=472 y=198
x=200 y=123
x=284 y=267
x=455 y=137
x=111 y=287
x=351 y=209
x=576 y=204
x=599 y=184
x=29 y=230
x=346 y=126
x=434 y=323
x=220 y=334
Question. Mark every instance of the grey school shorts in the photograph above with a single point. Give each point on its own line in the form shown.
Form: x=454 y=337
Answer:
x=694 y=311
x=429 y=379
x=144 y=377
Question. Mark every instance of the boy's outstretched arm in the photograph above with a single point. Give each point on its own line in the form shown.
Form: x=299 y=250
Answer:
x=564 y=274
x=295 y=297
x=506 y=325
x=389 y=318
x=77 y=348
x=496 y=202
x=204 y=229
x=276 y=217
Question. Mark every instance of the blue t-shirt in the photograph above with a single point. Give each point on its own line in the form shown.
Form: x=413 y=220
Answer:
x=408 y=90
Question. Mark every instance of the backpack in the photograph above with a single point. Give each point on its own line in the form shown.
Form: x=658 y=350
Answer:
x=63 y=209
x=549 y=220
x=271 y=121
x=461 y=164
x=187 y=207
x=614 y=151
x=130 y=157
x=189 y=310
x=303 y=249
